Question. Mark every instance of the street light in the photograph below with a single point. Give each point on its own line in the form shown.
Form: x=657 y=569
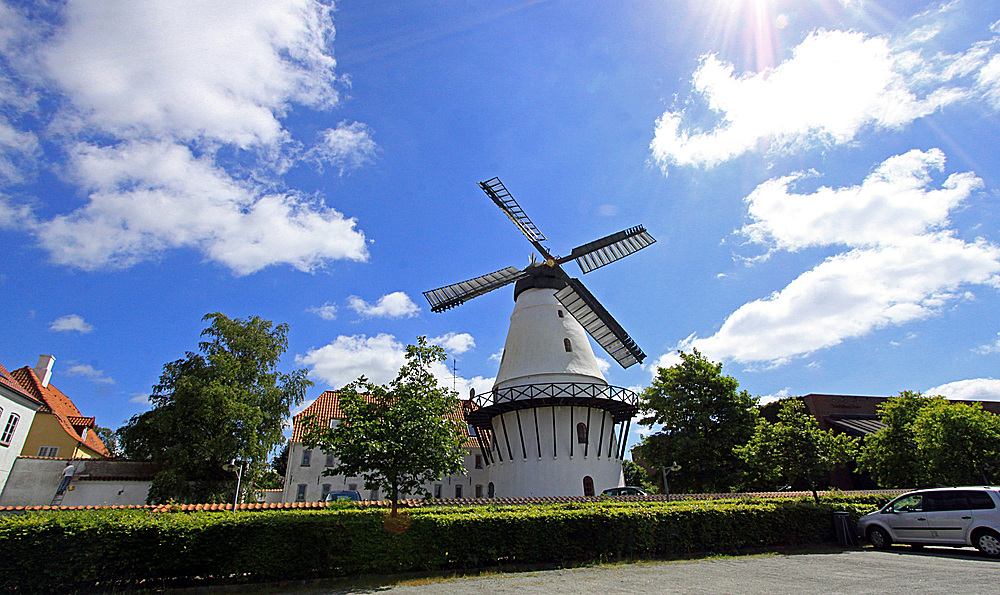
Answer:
x=237 y=466
x=666 y=487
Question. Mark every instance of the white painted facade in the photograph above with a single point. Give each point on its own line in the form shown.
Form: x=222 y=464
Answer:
x=552 y=456
x=17 y=411
x=305 y=482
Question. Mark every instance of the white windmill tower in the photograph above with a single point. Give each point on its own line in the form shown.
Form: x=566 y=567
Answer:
x=552 y=426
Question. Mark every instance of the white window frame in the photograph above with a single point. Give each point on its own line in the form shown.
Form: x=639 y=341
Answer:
x=48 y=451
x=9 y=429
x=306 y=458
x=300 y=493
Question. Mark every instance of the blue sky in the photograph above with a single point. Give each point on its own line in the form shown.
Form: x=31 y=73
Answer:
x=821 y=177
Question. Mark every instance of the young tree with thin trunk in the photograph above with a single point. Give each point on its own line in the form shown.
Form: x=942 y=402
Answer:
x=397 y=436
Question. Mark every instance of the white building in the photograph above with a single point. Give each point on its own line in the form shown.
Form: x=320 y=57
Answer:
x=551 y=426
x=305 y=482
x=17 y=411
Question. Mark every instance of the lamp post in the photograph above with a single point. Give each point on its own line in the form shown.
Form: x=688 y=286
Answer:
x=666 y=487
x=237 y=466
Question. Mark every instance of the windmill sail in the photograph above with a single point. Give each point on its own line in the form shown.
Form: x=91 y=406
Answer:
x=453 y=295
x=495 y=189
x=599 y=324
x=611 y=248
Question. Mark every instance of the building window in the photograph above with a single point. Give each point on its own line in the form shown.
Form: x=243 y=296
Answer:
x=581 y=433
x=8 y=431
x=567 y=345
x=373 y=495
x=329 y=460
x=306 y=456
x=588 y=486
x=326 y=490
x=48 y=451
x=353 y=487
x=479 y=490
x=491 y=490
x=479 y=461
x=458 y=491
x=437 y=491
x=560 y=313
x=471 y=429
x=300 y=493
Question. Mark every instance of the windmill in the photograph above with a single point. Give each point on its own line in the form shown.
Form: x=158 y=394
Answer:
x=548 y=370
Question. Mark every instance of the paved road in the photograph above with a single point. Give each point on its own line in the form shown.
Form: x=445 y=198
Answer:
x=899 y=570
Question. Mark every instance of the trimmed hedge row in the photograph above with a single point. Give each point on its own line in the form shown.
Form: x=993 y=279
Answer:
x=112 y=549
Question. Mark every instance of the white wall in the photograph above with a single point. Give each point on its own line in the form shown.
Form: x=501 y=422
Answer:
x=555 y=472
x=13 y=403
x=312 y=477
x=33 y=482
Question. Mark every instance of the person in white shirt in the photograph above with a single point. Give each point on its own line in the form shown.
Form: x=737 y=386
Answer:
x=67 y=476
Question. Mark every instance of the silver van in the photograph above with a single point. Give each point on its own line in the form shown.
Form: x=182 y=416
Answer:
x=959 y=517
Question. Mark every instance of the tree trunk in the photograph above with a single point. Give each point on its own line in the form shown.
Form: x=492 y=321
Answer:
x=395 y=500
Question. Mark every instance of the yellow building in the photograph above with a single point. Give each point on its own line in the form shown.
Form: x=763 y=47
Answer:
x=58 y=430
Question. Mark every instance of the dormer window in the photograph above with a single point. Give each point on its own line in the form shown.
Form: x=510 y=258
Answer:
x=560 y=313
x=567 y=345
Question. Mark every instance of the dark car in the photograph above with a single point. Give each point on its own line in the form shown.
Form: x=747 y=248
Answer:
x=625 y=491
x=352 y=495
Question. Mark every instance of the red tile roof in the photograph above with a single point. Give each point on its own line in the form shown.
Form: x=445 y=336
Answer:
x=7 y=380
x=59 y=405
x=327 y=407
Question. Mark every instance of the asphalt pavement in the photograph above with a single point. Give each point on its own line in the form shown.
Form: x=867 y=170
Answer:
x=852 y=572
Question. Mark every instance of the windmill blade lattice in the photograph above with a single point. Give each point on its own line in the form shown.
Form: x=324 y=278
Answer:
x=606 y=250
x=495 y=189
x=455 y=294
x=585 y=308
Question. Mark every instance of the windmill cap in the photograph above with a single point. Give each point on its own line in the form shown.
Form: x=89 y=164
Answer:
x=542 y=277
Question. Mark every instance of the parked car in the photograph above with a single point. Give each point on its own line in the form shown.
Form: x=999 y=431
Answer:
x=956 y=517
x=624 y=491
x=353 y=495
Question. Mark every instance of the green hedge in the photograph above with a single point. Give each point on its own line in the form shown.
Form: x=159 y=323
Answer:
x=111 y=549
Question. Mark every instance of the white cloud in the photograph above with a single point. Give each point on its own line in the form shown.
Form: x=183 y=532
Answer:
x=348 y=357
x=71 y=322
x=146 y=197
x=835 y=85
x=347 y=146
x=603 y=364
x=141 y=399
x=88 y=372
x=988 y=80
x=454 y=343
x=170 y=117
x=187 y=69
x=903 y=268
x=392 y=305
x=993 y=347
x=781 y=394
x=893 y=203
x=975 y=389
x=327 y=311
x=379 y=359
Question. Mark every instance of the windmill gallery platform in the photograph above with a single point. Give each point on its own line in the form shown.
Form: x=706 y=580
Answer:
x=552 y=426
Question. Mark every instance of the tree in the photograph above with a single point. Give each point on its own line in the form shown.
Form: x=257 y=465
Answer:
x=794 y=449
x=958 y=443
x=704 y=417
x=396 y=436
x=890 y=454
x=226 y=402
x=110 y=440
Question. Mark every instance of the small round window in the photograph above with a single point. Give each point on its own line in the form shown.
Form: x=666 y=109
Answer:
x=567 y=345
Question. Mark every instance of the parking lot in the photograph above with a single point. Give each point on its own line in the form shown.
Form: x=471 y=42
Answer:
x=897 y=570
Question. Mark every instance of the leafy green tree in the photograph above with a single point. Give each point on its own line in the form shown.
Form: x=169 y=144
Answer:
x=397 y=436
x=794 y=450
x=226 y=402
x=110 y=440
x=890 y=455
x=958 y=443
x=704 y=416
x=635 y=475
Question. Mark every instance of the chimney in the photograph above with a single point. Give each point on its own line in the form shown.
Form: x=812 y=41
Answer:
x=44 y=368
